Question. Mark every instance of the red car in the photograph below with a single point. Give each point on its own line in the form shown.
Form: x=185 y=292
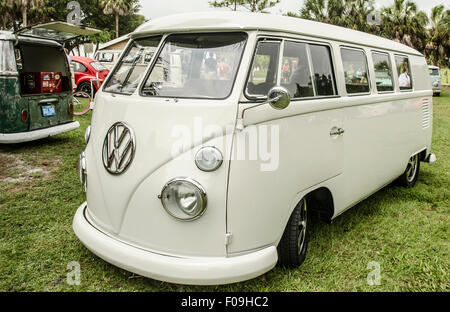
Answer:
x=85 y=70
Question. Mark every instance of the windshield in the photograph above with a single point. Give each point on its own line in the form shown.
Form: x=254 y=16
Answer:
x=132 y=66
x=196 y=66
x=98 y=66
x=434 y=72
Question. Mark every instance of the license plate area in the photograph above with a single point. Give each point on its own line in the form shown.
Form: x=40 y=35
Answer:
x=48 y=110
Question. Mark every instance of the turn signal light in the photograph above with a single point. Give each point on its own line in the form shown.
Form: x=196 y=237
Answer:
x=70 y=108
x=24 y=115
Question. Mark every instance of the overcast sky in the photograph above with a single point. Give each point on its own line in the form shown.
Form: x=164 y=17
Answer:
x=156 y=8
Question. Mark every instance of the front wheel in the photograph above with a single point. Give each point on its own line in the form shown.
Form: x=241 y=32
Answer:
x=411 y=174
x=85 y=87
x=294 y=243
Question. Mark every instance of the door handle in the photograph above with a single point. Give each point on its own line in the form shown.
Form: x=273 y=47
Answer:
x=337 y=131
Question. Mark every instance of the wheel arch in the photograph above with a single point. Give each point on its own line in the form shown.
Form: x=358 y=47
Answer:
x=321 y=202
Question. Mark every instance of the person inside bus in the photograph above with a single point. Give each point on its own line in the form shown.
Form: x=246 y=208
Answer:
x=404 y=80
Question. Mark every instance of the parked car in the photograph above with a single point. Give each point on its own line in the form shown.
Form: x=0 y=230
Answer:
x=36 y=84
x=205 y=166
x=86 y=70
x=436 y=79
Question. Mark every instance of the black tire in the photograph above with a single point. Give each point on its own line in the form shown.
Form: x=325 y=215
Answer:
x=85 y=87
x=294 y=243
x=411 y=174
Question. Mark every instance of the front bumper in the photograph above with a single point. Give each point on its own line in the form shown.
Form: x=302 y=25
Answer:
x=180 y=270
x=12 y=138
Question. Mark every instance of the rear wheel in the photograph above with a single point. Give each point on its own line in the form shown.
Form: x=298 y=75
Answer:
x=294 y=243
x=411 y=174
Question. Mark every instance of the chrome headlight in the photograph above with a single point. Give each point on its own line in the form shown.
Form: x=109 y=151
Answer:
x=208 y=159
x=87 y=134
x=436 y=84
x=184 y=199
x=82 y=172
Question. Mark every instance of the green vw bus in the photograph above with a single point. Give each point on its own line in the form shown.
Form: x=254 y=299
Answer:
x=35 y=82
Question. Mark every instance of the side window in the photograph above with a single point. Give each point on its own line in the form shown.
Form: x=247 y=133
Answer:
x=404 y=72
x=383 y=72
x=355 y=71
x=263 y=75
x=295 y=71
x=323 y=70
x=79 y=68
x=106 y=57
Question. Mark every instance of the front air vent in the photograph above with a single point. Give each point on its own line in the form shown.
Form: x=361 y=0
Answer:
x=426 y=113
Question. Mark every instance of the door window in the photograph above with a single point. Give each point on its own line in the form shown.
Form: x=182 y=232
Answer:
x=295 y=70
x=263 y=75
x=323 y=70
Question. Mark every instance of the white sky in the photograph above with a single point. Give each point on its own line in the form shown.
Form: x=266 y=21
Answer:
x=152 y=9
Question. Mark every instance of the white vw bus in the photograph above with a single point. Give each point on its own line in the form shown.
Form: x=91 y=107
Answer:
x=204 y=166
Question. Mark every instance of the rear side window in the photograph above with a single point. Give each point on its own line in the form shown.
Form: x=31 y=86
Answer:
x=130 y=71
x=263 y=75
x=7 y=58
x=323 y=70
x=404 y=72
x=355 y=71
x=383 y=72
x=79 y=68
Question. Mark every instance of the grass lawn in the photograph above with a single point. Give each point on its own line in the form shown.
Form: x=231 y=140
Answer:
x=405 y=230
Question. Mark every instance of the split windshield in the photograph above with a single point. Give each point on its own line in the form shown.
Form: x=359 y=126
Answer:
x=188 y=66
x=132 y=66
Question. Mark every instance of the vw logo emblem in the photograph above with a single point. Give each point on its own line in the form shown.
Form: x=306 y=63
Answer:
x=118 y=148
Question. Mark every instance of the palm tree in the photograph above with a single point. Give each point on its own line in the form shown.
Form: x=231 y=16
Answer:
x=402 y=22
x=4 y=15
x=325 y=11
x=250 y=5
x=24 y=6
x=118 y=8
x=356 y=14
x=438 y=47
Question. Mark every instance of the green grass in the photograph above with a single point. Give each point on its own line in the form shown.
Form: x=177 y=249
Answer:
x=405 y=230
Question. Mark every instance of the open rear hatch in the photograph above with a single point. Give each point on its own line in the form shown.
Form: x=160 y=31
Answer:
x=45 y=76
x=57 y=31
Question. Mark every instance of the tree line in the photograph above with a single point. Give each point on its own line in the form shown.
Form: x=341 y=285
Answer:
x=113 y=17
x=402 y=21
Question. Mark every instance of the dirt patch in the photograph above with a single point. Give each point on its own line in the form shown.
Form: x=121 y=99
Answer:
x=14 y=169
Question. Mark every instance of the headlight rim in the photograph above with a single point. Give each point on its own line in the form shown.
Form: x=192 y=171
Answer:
x=196 y=184
x=208 y=170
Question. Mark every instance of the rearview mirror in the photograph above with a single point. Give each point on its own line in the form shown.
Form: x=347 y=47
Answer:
x=279 y=98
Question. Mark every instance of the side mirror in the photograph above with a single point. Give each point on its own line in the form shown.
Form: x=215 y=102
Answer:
x=279 y=98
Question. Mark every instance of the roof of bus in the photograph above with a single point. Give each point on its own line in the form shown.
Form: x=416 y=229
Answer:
x=220 y=21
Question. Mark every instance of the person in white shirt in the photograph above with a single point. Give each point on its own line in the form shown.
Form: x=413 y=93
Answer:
x=404 y=79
